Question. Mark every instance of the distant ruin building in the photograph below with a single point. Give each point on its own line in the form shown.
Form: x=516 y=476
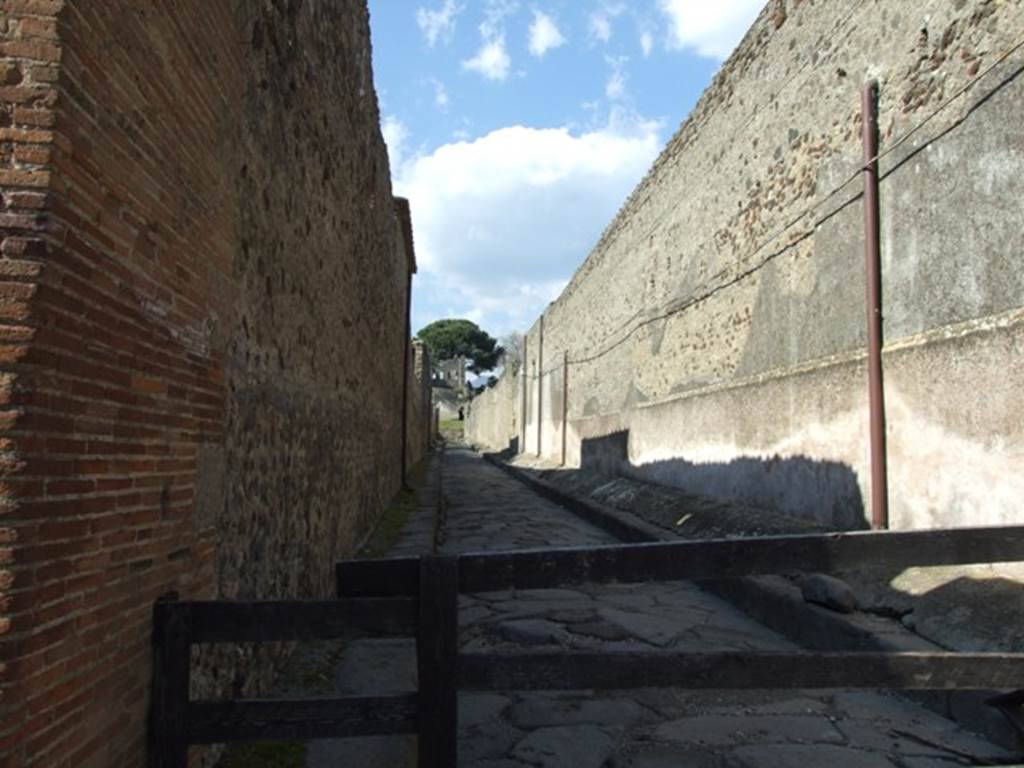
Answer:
x=452 y=375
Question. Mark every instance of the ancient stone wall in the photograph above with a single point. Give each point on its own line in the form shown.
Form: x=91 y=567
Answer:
x=418 y=412
x=720 y=320
x=492 y=420
x=203 y=328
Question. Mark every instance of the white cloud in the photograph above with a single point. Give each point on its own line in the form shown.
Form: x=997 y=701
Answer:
x=501 y=222
x=439 y=24
x=544 y=34
x=599 y=24
x=441 y=99
x=495 y=13
x=601 y=27
x=615 y=88
x=492 y=60
x=395 y=136
x=646 y=43
x=709 y=29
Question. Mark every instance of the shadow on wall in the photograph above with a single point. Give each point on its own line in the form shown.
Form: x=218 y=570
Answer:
x=826 y=492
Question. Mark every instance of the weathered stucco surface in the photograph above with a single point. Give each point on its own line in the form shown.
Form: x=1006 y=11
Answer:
x=492 y=416
x=720 y=320
x=205 y=395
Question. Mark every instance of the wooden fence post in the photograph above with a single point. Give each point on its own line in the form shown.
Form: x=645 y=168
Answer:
x=436 y=654
x=168 y=737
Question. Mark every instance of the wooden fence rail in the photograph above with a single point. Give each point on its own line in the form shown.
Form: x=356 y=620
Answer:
x=693 y=560
x=176 y=721
x=419 y=597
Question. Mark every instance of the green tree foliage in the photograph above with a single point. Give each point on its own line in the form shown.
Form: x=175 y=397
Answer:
x=450 y=338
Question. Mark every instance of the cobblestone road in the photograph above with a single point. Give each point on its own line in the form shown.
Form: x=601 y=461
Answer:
x=656 y=728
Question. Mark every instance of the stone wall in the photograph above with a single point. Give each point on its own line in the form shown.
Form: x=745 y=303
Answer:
x=203 y=338
x=492 y=418
x=720 y=321
x=419 y=417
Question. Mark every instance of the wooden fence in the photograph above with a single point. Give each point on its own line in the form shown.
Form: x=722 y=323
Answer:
x=419 y=596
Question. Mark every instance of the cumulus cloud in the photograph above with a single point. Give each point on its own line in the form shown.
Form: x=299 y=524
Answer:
x=646 y=43
x=438 y=24
x=544 y=34
x=441 y=99
x=601 y=27
x=599 y=23
x=395 y=136
x=502 y=221
x=615 y=88
x=492 y=60
x=709 y=29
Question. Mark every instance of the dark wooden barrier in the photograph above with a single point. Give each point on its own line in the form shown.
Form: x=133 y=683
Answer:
x=693 y=560
x=419 y=596
x=710 y=559
x=176 y=721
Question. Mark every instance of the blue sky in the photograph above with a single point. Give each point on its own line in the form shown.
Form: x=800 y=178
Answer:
x=517 y=129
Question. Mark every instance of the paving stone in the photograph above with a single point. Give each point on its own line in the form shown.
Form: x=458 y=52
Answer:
x=835 y=594
x=725 y=730
x=570 y=746
x=786 y=705
x=553 y=594
x=871 y=705
x=530 y=631
x=478 y=708
x=573 y=615
x=538 y=710
x=525 y=608
x=600 y=630
x=912 y=737
x=475 y=614
x=650 y=627
x=807 y=756
x=487 y=741
x=674 y=758
x=638 y=600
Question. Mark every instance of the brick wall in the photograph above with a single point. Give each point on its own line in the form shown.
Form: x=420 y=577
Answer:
x=203 y=328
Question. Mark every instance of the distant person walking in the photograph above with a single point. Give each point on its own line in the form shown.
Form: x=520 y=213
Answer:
x=462 y=415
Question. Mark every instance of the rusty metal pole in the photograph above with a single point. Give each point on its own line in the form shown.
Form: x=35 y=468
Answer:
x=540 y=384
x=565 y=402
x=872 y=253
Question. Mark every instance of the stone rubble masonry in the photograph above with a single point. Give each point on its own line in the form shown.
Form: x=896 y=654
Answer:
x=418 y=417
x=202 y=321
x=492 y=416
x=729 y=348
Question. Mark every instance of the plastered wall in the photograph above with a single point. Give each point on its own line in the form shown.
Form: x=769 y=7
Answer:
x=720 y=321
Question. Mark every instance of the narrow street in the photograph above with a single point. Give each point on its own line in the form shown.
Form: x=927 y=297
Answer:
x=653 y=728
